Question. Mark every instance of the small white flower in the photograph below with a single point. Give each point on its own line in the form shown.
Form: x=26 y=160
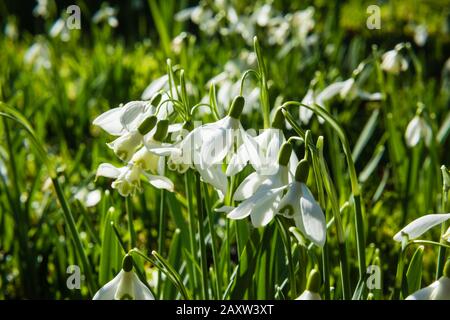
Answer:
x=128 y=178
x=418 y=129
x=38 y=55
x=302 y=22
x=125 y=286
x=126 y=118
x=421 y=225
x=420 y=35
x=125 y=145
x=269 y=143
x=41 y=9
x=438 y=290
x=309 y=295
x=223 y=138
x=89 y=198
x=106 y=14
x=347 y=89
x=393 y=62
x=312 y=287
x=299 y=204
x=260 y=194
x=262 y=15
x=59 y=29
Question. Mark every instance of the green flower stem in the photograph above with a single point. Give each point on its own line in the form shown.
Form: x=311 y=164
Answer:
x=359 y=220
x=399 y=275
x=442 y=249
x=228 y=202
x=161 y=229
x=165 y=267
x=244 y=77
x=68 y=217
x=202 y=238
x=325 y=255
x=215 y=254
x=129 y=212
x=264 y=95
x=192 y=229
x=285 y=237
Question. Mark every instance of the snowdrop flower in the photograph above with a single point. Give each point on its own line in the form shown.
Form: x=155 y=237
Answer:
x=89 y=198
x=420 y=35
x=269 y=143
x=11 y=30
x=393 y=62
x=312 y=287
x=260 y=194
x=438 y=290
x=59 y=29
x=38 y=55
x=278 y=30
x=302 y=22
x=41 y=9
x=299 y=204
x=155 y=86
x=225 y=136
x=262 y=15
x=128 y=178
x=125 y=286
x=416 y=130
x=131 y=123
x=421 y=225
x=125 y=145
x=347 y=89
x=106 y=14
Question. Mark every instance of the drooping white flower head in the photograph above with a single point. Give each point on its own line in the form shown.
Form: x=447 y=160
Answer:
x=223 y=138
x=269 y=143
x=416 y=130
x=38 y=55
x=260 y=194
x=312 y=287
x=420 y=35
x=421 y=225
x=106 y=14
x=128 y=178
x=438 y=290
x=393 y=62
x=125 y=286
x=346 y=90
x=299 y=204
x=60 y=29
x=131 y=123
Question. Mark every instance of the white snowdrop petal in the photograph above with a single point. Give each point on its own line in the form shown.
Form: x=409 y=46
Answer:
x=309 y=295
x=313 y=218
x=141 y=292
x=160 y=182
x=217 y=146
x=421 y=225
x=243 y=210
x=107 y=170
x=224 y=209
x=110 y=121
x=93 y=198
x=330 y=91
x=424 y=293
x=248 y=187
x=154 y=87
x=413 y=131
x=130 y=114
x=108 y=291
